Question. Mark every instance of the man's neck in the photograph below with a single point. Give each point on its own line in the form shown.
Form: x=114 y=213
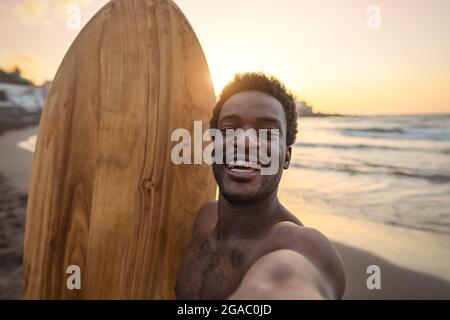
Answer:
x=245 y=221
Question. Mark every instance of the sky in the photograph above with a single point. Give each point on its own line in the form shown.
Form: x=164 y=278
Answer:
x=347 y=56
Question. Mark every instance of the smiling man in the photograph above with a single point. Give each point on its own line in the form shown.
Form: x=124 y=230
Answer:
x=247 y=245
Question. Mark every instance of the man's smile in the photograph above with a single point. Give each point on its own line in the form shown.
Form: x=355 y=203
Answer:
x=243 y=166
x=242 y=170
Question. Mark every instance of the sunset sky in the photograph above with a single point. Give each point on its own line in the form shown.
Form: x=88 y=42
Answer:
x=323 y=51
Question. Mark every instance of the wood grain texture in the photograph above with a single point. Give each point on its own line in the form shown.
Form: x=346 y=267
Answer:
x=104 y=193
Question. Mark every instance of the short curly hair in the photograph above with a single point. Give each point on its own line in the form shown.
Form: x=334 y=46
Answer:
x=259 y=81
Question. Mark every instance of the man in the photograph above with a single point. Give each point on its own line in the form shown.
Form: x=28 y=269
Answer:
x=247 y=245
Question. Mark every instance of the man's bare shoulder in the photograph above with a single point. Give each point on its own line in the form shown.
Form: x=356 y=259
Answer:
x=314 y=246
x=206 y=217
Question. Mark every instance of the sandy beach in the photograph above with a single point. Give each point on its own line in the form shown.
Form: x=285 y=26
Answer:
x=396 y=282
x=414 y=264
x=12 y=217
x=15 y=170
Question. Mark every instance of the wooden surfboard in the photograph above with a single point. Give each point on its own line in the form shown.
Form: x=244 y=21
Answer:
x=104 y=194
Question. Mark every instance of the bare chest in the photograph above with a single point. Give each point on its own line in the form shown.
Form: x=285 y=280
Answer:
x=213 y=272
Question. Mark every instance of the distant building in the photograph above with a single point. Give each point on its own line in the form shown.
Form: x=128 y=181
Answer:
x=28 y=97
x=303 y=109
x=21 y=94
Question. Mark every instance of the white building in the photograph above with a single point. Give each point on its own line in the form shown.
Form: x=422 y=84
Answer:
x=27 y=97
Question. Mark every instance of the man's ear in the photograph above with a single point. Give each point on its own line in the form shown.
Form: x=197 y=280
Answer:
x=287 y=158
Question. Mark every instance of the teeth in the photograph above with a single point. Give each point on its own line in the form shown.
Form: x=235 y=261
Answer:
x=240 y=170
x=245 y=164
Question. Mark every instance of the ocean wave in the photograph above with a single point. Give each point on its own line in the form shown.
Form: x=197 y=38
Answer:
x=360 y=146
x=434 y=134
x=437 y=227
x=439 y=178
x=384 y=170
x=377 y=130
x=349 y=146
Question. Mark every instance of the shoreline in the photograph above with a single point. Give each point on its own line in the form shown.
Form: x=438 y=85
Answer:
x=15 y=162
x=412 y=249
x=319 y=115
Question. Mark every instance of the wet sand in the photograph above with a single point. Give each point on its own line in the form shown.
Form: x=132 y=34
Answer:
x=396 y=282
x=15 y=170
x=12 y=217
x=409 y=249
x=421 y=251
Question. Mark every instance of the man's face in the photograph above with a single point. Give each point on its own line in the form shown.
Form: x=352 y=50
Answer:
x=251 y=110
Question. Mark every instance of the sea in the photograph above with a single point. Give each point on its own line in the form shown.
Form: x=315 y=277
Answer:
x=390 y=169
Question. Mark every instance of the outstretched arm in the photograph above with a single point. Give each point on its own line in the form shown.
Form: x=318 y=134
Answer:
x=284 y=274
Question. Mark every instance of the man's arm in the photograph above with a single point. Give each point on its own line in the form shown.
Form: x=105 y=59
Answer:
x=283 y=274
